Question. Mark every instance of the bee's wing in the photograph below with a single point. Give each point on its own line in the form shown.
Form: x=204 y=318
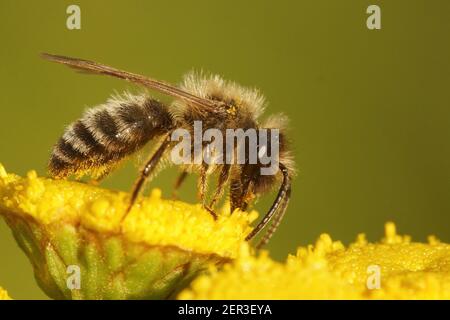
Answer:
x=97 y=68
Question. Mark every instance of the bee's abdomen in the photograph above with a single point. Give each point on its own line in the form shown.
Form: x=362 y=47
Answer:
x=108 y=133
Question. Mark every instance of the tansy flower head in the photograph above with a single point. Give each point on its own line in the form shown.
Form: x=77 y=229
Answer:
x=65 y=227
x=394 y=268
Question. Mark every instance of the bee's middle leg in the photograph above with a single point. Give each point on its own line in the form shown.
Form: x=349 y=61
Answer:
x=181 y=178
x=223 y=178
x=202 y=186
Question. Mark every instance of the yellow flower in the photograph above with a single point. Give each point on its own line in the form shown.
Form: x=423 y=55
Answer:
x=394 y=268
x=4 y=294
x=159 y=247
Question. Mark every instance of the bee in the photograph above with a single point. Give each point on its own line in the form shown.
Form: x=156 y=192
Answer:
x=107 y=134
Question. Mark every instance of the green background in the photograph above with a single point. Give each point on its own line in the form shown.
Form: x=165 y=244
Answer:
x=369 y=109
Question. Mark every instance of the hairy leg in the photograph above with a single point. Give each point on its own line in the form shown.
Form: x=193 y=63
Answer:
x=235 y=194
x=202 y=186
x=223 y=178
x=181 y=178
x=145 y=173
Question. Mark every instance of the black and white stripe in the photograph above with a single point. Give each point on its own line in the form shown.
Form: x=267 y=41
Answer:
x=109 y=132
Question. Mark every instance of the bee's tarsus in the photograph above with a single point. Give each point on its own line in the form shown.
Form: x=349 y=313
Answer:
x=130 y=206
x=180 y=179
x=211 y=211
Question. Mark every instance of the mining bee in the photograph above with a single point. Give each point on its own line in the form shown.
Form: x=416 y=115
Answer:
x=106 y=134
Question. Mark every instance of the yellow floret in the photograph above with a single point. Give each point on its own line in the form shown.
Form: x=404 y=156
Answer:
x=328 y=270
x=152 y=220
x=4 y=295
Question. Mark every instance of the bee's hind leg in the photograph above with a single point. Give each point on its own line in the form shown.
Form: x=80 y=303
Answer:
x=146 y=172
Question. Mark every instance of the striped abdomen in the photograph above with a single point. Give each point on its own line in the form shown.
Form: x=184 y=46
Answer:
x=108 y=133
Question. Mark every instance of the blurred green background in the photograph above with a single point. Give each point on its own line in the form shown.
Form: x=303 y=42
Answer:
x=369 y=109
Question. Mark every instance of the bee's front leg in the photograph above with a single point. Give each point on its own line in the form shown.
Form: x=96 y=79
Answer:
x=181 y=178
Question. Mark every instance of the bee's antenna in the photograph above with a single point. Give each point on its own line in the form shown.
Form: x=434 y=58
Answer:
x=279 y=204
x=276 y=222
